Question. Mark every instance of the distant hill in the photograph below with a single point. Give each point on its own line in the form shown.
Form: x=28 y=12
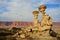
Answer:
x=23 y=23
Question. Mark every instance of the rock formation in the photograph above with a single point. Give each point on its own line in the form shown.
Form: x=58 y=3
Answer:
x=39 y=31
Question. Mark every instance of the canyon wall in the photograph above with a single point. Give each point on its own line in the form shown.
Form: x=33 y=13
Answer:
x=23 y=23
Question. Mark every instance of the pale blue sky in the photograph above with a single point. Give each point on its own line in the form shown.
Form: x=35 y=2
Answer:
x=21 y=10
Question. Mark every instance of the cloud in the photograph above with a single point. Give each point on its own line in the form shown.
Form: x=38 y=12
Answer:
x=50 y=1
x=54 y=13
x=21 y=10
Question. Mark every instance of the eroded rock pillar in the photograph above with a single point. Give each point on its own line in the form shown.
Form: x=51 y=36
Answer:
x=35 y=13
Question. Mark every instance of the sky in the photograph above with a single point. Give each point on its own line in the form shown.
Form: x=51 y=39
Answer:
x=21 y=10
